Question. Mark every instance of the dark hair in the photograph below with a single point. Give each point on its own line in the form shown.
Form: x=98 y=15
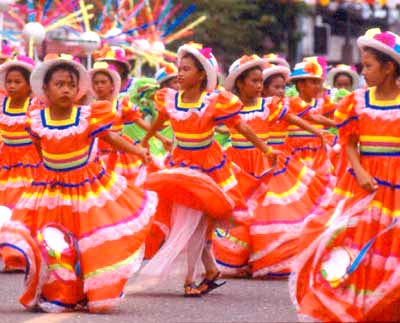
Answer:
x=343 y=74
x=60 y=67
x=383 y=59
x=124 y=67
x=242 y=76
x=269 y=79
x=24 y=72
x=199 y=67
x=105 y=74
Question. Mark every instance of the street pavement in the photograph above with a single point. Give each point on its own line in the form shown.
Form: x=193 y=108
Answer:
x=240 y=300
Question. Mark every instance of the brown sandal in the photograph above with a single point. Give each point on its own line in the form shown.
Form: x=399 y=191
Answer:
x=207 y=285
x=191 y=290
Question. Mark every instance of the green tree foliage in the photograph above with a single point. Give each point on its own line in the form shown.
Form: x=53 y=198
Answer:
x=237 y=27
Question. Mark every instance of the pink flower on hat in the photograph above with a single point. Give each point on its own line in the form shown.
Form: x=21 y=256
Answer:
x=206 y=52
x=25 y=59
x=386 y=38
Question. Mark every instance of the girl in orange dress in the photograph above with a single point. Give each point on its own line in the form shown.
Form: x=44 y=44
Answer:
x=285 y=198
x=305 y=146
x=90 y=224
x=349 y=273
x=106 y=84
x=200 y=181
x=19 y=159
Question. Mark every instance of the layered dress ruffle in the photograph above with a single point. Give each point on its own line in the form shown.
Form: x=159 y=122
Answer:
x=349 y=272
x=19 y=162
x=199 y=182
x=108 y=217
x=122 y=163
x=285 y=197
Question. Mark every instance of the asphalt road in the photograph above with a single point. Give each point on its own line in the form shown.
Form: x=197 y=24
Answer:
x=240 y=300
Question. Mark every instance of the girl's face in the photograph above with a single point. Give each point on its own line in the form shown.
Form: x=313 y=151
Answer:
x=16 y=85
x=188 y=74
x=310 y=88
x=343 y=81
x=373 y=71
x=252 y=85
x=276 y=87
x=171 y=84
x=62 y=89
x=102 y=86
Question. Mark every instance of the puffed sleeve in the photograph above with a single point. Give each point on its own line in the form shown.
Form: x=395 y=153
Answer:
x=299 y=107
x=102 y=117
x=328 y=107
x=130 y=113
x=162 y=98
x=277 y=109
x=226 y=108
x=346 y=118
x=32 y=116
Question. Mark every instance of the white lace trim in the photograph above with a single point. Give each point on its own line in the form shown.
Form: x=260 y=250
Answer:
x=360 y=108
x=263 y=115
x=38 y=127
x=174 y=113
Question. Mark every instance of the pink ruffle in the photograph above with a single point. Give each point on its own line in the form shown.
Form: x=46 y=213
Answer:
x=115 y=276
x=183 y=115
x=114 y=192
x=118 y=231
x=263 y=115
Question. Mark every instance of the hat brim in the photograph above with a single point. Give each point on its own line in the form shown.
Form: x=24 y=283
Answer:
x=276 y=70
x=167 y=78
x=211 y=70
x=6 y=66
x=114 y=76
x=364 y=41
x=278 y=61
x=230 y=80
x=335 y=71
x=109 y=59
x=39 y=72
x=303 y=77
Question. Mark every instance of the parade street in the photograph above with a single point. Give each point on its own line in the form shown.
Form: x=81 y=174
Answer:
x=241 y=300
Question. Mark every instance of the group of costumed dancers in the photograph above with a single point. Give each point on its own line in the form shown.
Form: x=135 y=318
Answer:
x=273 y=173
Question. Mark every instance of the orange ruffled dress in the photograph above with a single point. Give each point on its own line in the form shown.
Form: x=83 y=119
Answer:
x=122 y=163
x=304 y=145
x=232 y=248
x=19 y=159
x=193 y=125
x=109 y=218
x=349 y=273
x=281 y=204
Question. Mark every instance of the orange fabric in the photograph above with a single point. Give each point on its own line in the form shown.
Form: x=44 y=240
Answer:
x=109 y=217
x=353 y=218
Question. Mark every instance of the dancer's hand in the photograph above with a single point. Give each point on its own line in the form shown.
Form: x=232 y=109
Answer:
x=145 y=142
x=321 y=135
x=144 y=154
x=272 y=156
x=167 y=144
x=366 y=181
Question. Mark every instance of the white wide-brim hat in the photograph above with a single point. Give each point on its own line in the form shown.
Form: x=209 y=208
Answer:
x=14 y=63
x=276 y=70
x=209 y=64
x=39 y=72
x=237 y=68
x=114 y=76
x=330 y=78
x=385 y=42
